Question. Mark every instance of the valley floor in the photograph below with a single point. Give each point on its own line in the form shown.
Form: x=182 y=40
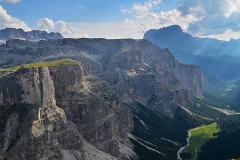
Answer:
x=199 y=136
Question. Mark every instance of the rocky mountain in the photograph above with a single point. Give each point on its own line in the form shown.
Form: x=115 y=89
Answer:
x=219 y=58
x=34 y=35
x=136 y=69
x=175 y=39
x=62 y=113
x=90 y=110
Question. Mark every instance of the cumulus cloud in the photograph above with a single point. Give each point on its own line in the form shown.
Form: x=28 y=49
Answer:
x=215 y=17
x=11 y=22
x=142 y=10
x=11 y=1
x=110 y=30
x=148 y=15
x=48 y=25
x=45 y=24
x=198 y=17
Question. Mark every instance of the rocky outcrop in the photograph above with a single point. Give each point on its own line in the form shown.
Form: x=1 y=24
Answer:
x=153 y=77
x=94 y=107
x=69 y=115
x=80 y=112
x=34 y=35
x=136 y=69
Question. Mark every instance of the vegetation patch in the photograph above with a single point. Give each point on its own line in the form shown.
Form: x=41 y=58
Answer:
x=226 y=145
x=160 y=132
x=42 y=64
x=199 y=136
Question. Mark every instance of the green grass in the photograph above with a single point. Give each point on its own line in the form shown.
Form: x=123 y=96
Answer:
x=42 y=64
x=6 y=71
x=199 y=136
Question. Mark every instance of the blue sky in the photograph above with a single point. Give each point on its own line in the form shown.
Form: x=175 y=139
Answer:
x=123 y=18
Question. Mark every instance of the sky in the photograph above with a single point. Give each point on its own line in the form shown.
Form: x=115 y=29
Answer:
x=123 y=18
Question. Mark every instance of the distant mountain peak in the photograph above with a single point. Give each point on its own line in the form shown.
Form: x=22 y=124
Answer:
x=209 y=53
x=34 y=35
x=173 y=28
x=171 y=37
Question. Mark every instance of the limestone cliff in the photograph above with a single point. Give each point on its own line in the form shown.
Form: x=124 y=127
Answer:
x=62 y=113
x=136 y=69
x=153 y=77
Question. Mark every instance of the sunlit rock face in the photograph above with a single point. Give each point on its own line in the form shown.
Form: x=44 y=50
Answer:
x=62 y=113
x=152 y=76
x=135 y=69
x=79 y=112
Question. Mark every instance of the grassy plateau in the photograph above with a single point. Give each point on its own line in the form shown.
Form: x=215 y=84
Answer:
x=67 y=61
x=42 y=64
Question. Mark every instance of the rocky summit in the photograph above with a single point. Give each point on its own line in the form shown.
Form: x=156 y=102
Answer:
x=34 y=35
x=82 y=111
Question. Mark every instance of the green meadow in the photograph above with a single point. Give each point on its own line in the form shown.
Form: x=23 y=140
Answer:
x=67 y=61
x=199 y=136
x=42 y=64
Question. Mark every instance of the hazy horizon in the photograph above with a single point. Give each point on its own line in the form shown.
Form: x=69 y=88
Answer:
x=123 y=19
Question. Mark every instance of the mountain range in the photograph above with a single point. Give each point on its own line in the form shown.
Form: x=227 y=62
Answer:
x=91 y=99
x=219 y=58
x=34 y=35
x=102 y=99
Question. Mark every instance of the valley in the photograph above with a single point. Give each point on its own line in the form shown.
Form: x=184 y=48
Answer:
x=120 y=99
x=120 y=80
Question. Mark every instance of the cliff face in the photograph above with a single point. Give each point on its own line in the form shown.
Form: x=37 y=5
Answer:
x=94 y=107
x=62 y=113
x=79 y=112
x=154 y=77
x=136 y=69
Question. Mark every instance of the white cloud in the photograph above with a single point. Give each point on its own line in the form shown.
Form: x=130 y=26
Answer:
x=215 y=16
x=11 y=1
x=48 y=25
x=156 y=2
x=11 y=22
x=45 y=24
x=149 y=16
x=233 y=6
x=72 y=32
x=227 y=35
x=142 y=10
x=198 y=17
x=111 y=30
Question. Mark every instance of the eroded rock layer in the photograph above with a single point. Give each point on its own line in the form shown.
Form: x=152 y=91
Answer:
x=68 y=114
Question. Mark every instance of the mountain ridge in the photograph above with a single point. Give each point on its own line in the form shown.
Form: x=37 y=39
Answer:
x=216 y=57
x=87 y=105
x=34 y=35
x=129 y=61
